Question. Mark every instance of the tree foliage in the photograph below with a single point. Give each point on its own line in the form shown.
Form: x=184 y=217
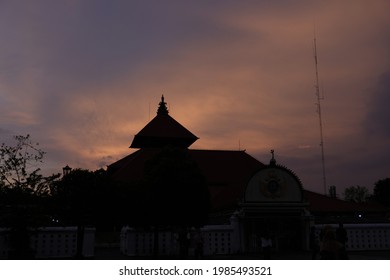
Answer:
x=84 y=197
x=19 y=169
x=24 y=193
x=22 y=188
x=356 y=194
x=382 y=191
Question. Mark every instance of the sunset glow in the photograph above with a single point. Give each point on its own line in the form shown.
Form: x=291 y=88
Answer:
x=84 y=77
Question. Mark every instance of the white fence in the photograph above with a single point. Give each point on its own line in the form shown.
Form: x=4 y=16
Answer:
x=365 y=237
x=213 y=240
x=141 y=243
x=219 y=240
x=225 y=240
x=53 y=242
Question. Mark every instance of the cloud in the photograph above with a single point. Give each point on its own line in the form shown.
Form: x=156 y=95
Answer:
x=84 y=77
x=378 y=116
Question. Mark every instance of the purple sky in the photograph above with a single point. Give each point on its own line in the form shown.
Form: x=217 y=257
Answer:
x=82 y=76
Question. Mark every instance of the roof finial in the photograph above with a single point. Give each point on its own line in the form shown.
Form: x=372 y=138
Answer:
x=272 y=161
x=162 y=108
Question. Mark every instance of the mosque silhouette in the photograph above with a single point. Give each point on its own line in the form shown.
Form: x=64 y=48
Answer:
x=246 y=200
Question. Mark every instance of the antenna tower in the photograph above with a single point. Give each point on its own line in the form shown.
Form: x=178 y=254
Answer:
x=319 y=98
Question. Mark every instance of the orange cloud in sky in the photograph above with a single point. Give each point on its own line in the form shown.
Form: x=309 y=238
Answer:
x=236 y=75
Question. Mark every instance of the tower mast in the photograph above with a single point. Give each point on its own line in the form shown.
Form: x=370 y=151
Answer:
x=319 y=98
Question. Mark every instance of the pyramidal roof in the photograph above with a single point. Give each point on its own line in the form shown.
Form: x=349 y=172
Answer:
x=163 y=130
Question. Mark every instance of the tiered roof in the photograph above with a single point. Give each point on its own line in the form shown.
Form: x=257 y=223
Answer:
x=227 y=172
x=163 y=130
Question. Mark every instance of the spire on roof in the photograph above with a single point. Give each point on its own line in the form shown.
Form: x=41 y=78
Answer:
x=272 y=161
x=162 y=107
x=163 y=130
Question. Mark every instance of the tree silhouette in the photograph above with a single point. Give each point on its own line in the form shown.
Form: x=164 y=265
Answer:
x=24 y=193
x=83 y=198
x=356 y=194
x=382 y=191
x=18 y=167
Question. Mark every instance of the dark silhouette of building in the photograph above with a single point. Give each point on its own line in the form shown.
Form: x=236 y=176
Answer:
x=258 y=195
x=245 y=193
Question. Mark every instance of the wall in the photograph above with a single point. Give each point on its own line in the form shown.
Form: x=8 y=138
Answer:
x=141 y=243
x=216 y=240
x=365 y=236
x=225 y=239
x=53 y=242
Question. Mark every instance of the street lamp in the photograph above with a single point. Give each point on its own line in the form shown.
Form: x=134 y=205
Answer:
x=66 y=170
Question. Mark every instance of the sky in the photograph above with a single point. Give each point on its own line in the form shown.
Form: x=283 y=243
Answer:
x=83 y=77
